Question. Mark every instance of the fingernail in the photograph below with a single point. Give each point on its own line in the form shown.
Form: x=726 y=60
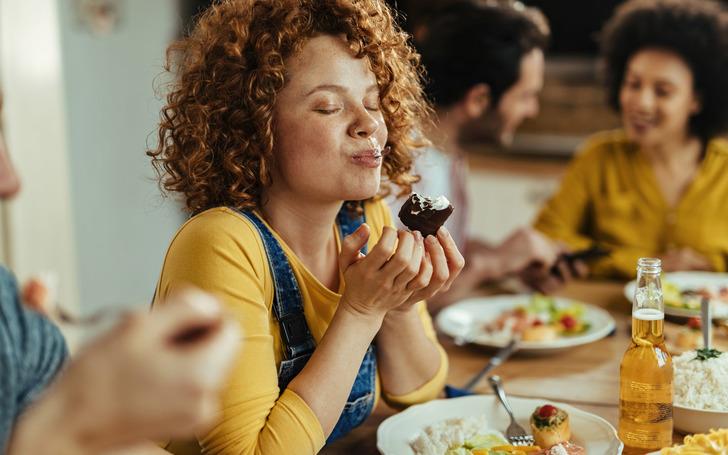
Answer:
x=418 y=236
x=443 y=232
x=361 y=232
x=431 y=240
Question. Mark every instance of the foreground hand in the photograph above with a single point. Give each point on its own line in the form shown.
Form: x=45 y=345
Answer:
x=441 y=265
x=154 y=376
x=386 y=277
x=684 y=259
x=401 y=269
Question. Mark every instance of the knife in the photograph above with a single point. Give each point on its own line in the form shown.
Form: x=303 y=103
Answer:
x=500 y=357
x=706 y=321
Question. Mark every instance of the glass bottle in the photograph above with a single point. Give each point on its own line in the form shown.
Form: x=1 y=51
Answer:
x=645 y=374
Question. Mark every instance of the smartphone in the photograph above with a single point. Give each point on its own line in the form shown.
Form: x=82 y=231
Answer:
x=590 y=254
x=586 y=255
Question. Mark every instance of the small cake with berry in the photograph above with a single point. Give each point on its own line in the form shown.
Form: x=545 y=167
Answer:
x=550 y=426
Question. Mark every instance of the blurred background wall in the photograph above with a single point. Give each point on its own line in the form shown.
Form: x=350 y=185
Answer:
x=121 y=223
x=80 y=107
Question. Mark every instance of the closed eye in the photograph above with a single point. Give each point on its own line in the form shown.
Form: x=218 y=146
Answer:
x=328 y=110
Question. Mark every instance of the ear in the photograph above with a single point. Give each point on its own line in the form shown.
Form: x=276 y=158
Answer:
x=696 y=105
x=476 y=100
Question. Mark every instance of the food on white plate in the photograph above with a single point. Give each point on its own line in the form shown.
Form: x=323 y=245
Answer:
x=699 y=380
x=550 y=426
x=565 y=448
x=690 y=298
x=473 y=436
x=713 y=443
x=541 y=319
x=540 y=333
x=459 y=436
x=691 y=336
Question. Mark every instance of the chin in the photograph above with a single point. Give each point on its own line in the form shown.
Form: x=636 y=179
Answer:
x=362 y=191
x=644 y=140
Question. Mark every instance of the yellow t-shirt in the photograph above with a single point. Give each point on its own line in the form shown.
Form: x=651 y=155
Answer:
x=610 y=196
x=221 y=252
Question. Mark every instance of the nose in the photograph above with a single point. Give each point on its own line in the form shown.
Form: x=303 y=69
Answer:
x=645 y=99
x=363 y=124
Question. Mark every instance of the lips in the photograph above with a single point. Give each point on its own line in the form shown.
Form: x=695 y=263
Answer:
x=640 y=124
x=368 y=158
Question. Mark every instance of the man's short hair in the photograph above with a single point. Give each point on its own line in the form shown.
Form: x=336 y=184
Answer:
x=470 y=43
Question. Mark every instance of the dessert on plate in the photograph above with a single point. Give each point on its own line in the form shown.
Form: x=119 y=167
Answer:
x=551 y=430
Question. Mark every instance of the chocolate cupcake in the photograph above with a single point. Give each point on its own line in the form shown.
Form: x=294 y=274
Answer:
x=425 y=214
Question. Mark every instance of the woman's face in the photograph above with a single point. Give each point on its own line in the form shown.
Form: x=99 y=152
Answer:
x=328 y=125
x=657 y=98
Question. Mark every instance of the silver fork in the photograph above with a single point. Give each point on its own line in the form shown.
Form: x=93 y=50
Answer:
x=515 y=433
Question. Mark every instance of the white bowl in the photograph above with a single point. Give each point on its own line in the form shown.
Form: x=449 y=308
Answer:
x=691 y=420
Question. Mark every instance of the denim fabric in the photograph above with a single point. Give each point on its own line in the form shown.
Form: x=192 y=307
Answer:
x=32 y=351
x=361 y=399
x=287 y=304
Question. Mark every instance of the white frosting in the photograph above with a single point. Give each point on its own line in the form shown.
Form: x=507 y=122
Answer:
x=440 y=203
x=375 y=145
x=419 y=202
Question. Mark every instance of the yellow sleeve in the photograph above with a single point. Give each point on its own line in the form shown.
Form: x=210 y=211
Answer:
x=220 y=252
x=432 y=388
x=564 y=215
x=567 y=215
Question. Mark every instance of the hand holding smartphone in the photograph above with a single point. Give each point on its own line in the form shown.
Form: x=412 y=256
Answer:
x=571 y=258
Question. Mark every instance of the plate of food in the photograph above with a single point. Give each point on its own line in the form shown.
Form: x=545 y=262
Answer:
x=475 y=425
x=542 y=323
x=682 y=293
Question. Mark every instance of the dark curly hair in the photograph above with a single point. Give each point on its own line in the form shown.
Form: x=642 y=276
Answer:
x=216 y=136
x=469 y=43
x=696 y=30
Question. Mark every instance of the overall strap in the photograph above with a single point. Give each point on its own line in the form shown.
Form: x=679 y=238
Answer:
x=287 y=301
x=349 y=221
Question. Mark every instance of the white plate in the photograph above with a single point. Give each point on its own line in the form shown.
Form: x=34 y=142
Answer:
x=689 y=280
x=593 y=433
x=466 y=317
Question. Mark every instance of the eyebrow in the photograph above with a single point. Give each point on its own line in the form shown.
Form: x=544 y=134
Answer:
x=338 y=88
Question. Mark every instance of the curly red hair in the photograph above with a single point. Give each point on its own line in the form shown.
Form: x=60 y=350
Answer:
x=216 y=131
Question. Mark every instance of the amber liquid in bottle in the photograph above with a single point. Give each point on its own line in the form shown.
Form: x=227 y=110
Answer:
x=645 y=391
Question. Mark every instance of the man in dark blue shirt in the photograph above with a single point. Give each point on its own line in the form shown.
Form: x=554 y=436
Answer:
x=32 y=351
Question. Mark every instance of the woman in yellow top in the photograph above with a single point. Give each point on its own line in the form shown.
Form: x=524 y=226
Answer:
x=274 y=122
x=659 y=187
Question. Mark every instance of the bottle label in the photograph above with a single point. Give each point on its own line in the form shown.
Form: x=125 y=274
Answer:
x=646 y=412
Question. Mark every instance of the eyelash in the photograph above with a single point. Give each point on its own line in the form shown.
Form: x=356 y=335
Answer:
x=328 y=111
x=335 y=110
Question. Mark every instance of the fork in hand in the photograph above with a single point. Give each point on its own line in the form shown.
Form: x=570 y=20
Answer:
x=515 y=433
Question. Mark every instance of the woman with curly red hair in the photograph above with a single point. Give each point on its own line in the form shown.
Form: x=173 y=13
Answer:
x=273 y=132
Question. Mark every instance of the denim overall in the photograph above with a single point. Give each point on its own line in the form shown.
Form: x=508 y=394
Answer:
x=296 y=339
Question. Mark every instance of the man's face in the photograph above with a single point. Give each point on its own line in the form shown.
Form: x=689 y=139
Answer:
x=521 y=100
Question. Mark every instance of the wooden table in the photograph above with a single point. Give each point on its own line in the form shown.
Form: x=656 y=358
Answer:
x=586 y=377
